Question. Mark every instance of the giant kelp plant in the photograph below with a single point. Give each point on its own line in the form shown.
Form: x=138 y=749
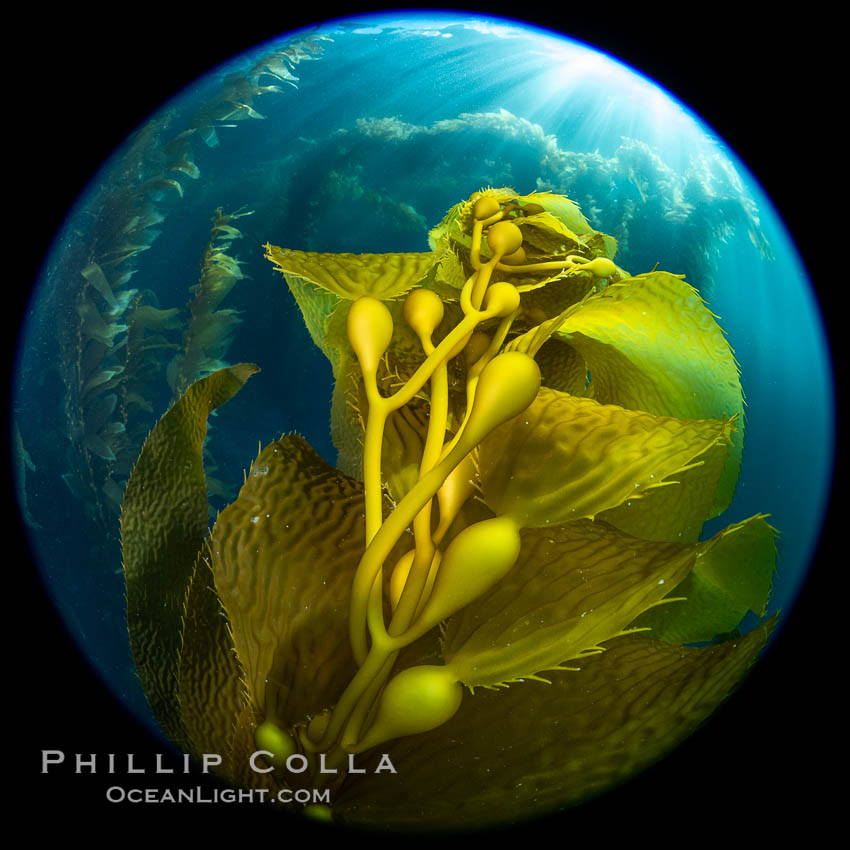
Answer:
x=491 y=608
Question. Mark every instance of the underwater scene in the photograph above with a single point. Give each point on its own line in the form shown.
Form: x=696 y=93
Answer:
x=422 y=450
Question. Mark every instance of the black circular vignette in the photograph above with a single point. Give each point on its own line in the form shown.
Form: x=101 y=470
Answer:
x=766 y=88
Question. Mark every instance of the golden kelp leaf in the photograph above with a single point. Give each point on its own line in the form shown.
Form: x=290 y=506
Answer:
x=451 y=274
x=163 y=526
x=596 y=457
x=544 y=235
x=533 y=339
x=211 y=691
x=733 y=578
x=533 y=281
x=678 y=512
x=283 y=555
x=316 y=305
x=349 y=276
x=651 y=344
x=572 y=588
x=402 y=447
x=557 y=295
x=510 y=755
x=347 y=420
x=562 y=368
x=562 y=208
x=599 y=244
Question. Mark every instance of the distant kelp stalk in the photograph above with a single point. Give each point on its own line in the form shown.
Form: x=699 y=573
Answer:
x=119 y=345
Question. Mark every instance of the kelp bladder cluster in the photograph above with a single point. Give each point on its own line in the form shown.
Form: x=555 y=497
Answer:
x=490 y=610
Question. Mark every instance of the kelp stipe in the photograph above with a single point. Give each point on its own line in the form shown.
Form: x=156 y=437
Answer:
x=481 y=616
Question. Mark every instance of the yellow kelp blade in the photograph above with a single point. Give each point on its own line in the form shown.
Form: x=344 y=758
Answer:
x=733 y=578
x=572 y=588
x=566 y=458
x=651 y=344
x=163 y=526
x=677 y=512
x=283 y=556
x=545 y=234
x=316 y=305
x=516 y=753
x=402 y=447
x=349 y=276
x=563 y=209
x=536 y=337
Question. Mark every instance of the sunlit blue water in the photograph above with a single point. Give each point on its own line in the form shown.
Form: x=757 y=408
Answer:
x=329 y=167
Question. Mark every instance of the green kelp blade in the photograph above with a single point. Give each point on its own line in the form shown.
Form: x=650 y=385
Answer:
x=382 y=276
x=573 y=588
x=163 y=526
x=565 y=458
x=531 y=749
x=733 y=578
x=284 y=556
x=650 y=343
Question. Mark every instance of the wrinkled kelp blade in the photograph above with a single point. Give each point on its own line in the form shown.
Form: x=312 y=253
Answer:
x=573 y=588
x=163 y=526
x=511 y=754
x=677 y=512
x=316 y=306
x=211 y=691
x=349 y=276
x=733 y=578
x=596 y=457
x=283 y=556
x=651 y=344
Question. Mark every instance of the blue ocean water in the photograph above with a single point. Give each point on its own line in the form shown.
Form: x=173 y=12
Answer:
x=337 y=164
